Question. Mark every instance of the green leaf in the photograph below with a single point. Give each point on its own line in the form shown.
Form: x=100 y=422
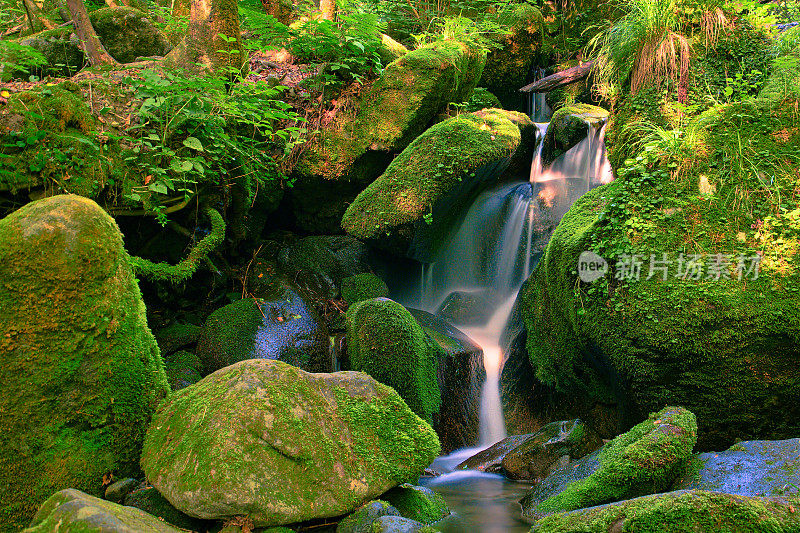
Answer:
x=193 y=143
x=158 y=187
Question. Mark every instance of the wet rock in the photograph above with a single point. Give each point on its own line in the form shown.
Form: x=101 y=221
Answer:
x=676 y=512
x=280 y=325
x=81 y=371
x=417 y=503
x=117 y=491
x=281 y=445
x=360 y=521
x=149 y=500
x=127 y=33
x=468 y=308
x=73 y=510
x=568 y=127
x=750 y=468
x=536 y=455
x=554 y=445
x=320 y=263
x=460 y=375
x=646 y=459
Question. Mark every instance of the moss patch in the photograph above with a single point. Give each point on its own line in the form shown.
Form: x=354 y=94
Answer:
x=363 y=287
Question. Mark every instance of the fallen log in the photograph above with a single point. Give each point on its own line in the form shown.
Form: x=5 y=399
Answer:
x=558 y=79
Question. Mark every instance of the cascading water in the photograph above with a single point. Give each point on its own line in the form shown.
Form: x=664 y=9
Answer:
x=483 y=265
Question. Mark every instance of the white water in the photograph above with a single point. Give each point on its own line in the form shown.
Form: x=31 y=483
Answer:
x=490 y=254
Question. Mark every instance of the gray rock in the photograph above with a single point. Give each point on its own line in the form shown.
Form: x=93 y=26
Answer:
x=268 y=440
x=61 y=48
x=460 y=374
x=750 y=468
x=396 y=524
x=468 y=308
x=73 y=510
x=117 y=491
x=360 y=521
x=128 y=33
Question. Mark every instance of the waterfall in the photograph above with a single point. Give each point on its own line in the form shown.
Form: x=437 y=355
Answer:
x=479 y=270
x=539 y=111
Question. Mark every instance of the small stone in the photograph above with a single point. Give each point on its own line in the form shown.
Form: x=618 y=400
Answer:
x=117 y=491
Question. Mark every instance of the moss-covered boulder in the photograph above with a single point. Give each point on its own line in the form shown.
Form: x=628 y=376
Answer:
x=73 y=510
x=676 y=512
x=362 y=287
x=127 y=33
x=284 y=327
x=646 y=459
x=748 y=468
x=385 y=341
x=705 y=317
x=460 y=374
x=81 y=371
x=356 y=147
x=507 y=68
x=182 y=369
x=360 y=521
x=569 y=126
x=47 y=137
x=439 y=164
x=417 y=503
x=60 y=47
x=268 y=440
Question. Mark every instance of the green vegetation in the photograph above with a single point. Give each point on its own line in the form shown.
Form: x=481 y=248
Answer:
x=363 y=287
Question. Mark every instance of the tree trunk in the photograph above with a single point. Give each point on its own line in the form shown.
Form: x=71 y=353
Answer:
x=328 y=9
x=559 y=79
x=91 y=44
x=203 y=49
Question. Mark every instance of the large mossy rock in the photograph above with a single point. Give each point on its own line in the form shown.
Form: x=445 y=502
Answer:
x=357 y=146
x=676 y=512
x=437 y=165
x=417 y=503
x=81 y=371
x=61 y=48
x=127 y=33
x=508 y=68
x=727 y=347
x=283 y=327
x=72 y=510
x=646 y=459
x=268 y=440
x=749 y=468
x=385 y=341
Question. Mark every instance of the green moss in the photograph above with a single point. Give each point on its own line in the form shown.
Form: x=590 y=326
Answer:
x=363 y=287
x=644 y=460
x=418 y=503
x=429 y=168
x=784 y=81
x=394 y=110
x=128 y=33
x=182 y=369
x=188 y=266
x=703 y=343
x=82 y=373
x=676 y=512
x=386 y=342
x=508 y=67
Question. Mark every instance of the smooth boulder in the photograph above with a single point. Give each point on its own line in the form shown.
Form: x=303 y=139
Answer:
x=73 y=510
x=127 y=33
x=81 y=371
x=281 y=445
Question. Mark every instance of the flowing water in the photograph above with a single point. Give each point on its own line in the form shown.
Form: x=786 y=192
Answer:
x=482 y=267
